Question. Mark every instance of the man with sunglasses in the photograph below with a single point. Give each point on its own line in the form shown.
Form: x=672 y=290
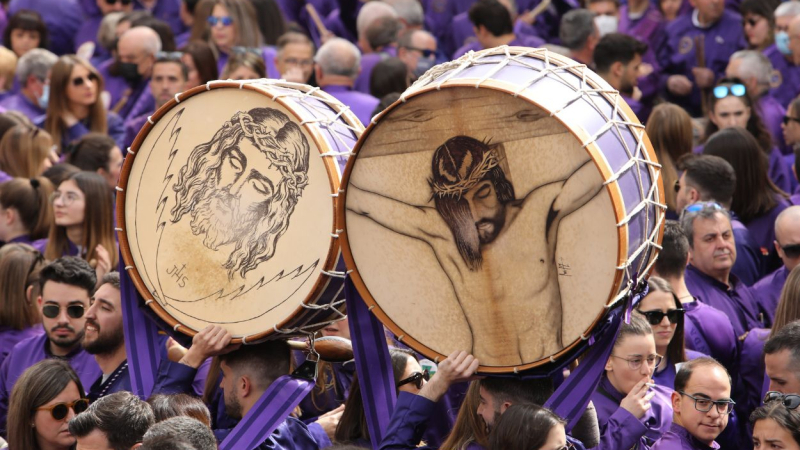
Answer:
x=787 y=244
x=782 y=359
x=701 y=404
x=66 y=286
x=417 y=49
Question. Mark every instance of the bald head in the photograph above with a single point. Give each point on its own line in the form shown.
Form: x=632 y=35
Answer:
x=144 y=38
x=338 y=62
x=138 y=46
x=787 y=233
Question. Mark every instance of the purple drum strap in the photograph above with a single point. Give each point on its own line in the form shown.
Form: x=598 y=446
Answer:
x=141 y=338
x=271 y=409
x=373 y=364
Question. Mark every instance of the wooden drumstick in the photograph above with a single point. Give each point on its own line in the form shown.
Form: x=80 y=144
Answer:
x=323 y=31
x=329 y=348
x=700 y=54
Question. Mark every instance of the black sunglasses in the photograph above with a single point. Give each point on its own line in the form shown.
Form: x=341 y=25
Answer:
x=655 y=317
x=52 y=311
x=80 y=80
x=124 y=2
x=427 y=53
x=59 y=411
x=677 y=186
x=787 y=119
x=790 y=401
x=416 y=378
x=792 y=251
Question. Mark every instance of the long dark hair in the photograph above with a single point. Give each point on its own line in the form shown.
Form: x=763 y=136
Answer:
x=754 y=125
x=523 y=427
x=676 y=350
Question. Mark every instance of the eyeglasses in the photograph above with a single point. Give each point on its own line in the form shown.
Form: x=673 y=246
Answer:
x=753 y=21
x=124 y=2
x=635 y=363
x=790 y=401
x=416 y=378
x=59 y=411
x=704 y=404
x=67 y=199
x=169 y=56
x=697 y=207
x=427 y=53
x=78 y=81
x=655 y=317
x=737 y=90
x=299 y=62
x=787 y=119
x=52 y=311
x=226 y=21
x=791 y=250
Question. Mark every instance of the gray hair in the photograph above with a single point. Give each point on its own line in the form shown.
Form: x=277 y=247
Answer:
x=370 y=12
x=36 y=62
x=576 y=27
x=708 y=211
x=339 y=57
x=147 y=38
x=754 y=64
x=408 y=10
x=785 y=9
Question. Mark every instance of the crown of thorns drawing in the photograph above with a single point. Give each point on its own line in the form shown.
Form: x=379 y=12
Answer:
x=461 y=182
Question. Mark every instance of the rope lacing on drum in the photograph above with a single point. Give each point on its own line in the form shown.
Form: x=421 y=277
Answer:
x=308 y=329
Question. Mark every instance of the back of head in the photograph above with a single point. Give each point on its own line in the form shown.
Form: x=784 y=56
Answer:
x=469 y=426
x=492 y=15
x=91 y=152
x=788 y=9
x=19 y=268
x=409 y=11
x=263 y=363
x=671 y=261
x=576 y=27
x=24 y=150
x=711 y=176
x=524 y=427
x=339 y=57
x=688 y=368
x=370 y=12
x=69 y=270
x=8 y=67
x=389 y=75
x=786 y=339
x=30 y=197
x=179 y=428
x=166 y=406
x=383 y=31
x=166 y=37
x=60 y=172
x=270 y=20
x=616 y=47
x=754 y=64
x=36 y=63
x=515 y=390
x=123 y=417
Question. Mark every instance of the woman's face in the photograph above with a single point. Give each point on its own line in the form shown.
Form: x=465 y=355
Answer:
x=111 y=174
x=670 y=8
x=82 y=87
x=24 y=40
x=756 y=29
x=791 y=127
x=412 y=367
x=224 y=36
x=556 y=438
x=768 y=435
x=730 y=112
x=660 y=301
x=244 y=73
x=634 y=349
x=52 y=433
x=193 y=79
x=69 y=204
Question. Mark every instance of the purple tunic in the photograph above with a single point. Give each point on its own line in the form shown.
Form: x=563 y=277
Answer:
x=748 y=265
x=9 y=337
x=619 y=429
x=519 y=41
x=116 y=129
x=768 y=292
x=708 y=330
x=269 y=54
x=123 y=96
x=88 y=32
x=18 y=102
x=38 y=244
x=772 y=113
x=762 y=228
x=779 y=172
x=721 y=40
x=666 y=377
x=292 y=434
x=30 y=352
x=168 y=11
x=361 y=104
x=736 y=300
x=132 y=128
x=368 y=63
x=752 y=371
x=678 y=438
x=62 y=17
x=648 y=28
x=788 y=84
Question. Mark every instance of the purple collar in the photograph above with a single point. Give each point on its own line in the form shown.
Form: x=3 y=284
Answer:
x=608 y=390
x=733 y=282
x=337 y=88
x=683 y=433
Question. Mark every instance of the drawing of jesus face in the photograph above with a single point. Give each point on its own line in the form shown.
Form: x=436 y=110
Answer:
x=488 y=213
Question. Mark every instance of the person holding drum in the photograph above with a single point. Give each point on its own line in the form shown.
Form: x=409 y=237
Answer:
x=631 y=410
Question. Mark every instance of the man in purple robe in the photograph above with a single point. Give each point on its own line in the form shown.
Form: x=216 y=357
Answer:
x=32 y=74
x=117 y=421
x=617 y=59
x=782 y=359
x=701 y=405
x=697 y=49
x=493 y=27
x=66 y=286
x=136 y=53
x=787 y=84
x=580 y=35
x=787 y=244
x=711 y=257
x=62 y=17
x=337 y=67
x=417 y=49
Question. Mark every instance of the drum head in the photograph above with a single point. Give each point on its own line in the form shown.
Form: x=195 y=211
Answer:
x=475 y=220
x=227 y=211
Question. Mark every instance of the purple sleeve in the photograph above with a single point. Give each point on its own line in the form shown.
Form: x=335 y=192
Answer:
x=409 y=420
x=174 y=378
x=751 y=371
x=622 y=431
x=116 y=129
x=319 y=435
x=5 y=177
x=4 y=396
x=199 y=382
x=73 y=133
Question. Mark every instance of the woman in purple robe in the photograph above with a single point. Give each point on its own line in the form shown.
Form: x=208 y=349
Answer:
x=758 y=18
x=19 y=316
x=25 y=211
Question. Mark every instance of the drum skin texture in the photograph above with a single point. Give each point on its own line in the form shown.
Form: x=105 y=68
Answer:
x=227 y=211
x=500 y=207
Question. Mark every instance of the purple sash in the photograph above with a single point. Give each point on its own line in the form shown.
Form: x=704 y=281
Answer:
x=141 y=338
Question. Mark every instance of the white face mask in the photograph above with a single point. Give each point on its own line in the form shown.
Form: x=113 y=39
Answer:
x=606 y=24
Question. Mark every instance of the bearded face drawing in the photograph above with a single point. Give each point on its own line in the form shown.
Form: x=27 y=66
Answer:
x=241 y=187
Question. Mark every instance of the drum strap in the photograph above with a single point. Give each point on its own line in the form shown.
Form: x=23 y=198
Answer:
x=373 y=364
x=141 y=338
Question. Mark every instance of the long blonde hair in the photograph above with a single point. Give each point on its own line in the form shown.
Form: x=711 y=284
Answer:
x=469 y=427
x=23 y=150
x=60 y=76
x=670 y=130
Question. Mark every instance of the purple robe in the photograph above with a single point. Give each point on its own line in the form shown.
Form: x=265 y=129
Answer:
x=678 y=438
x=269 y=54
x=619 y=429
x=361 y=104
x=38 y=244
x=88 y=32
x=708 y=330
x=768 y=292
x=678 y=55
x=461 y=33
x=788 y=84
x=752 y=371
x=368 y=62
x=168 y=11
x=648 y=28
x=116 y=129
x=9 y=337
x=132 y=128
x=772 y=113
x=748 y=265
x=118 y=380
x=762 y=228
x=18 y=102
x=292 y=434
x=31 y=351
x=779 y=172
x=666 y=377
x=124 y=98
x=62 y=17
x=736 y=300
x=519 y=41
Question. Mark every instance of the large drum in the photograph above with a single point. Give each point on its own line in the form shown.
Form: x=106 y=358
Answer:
x=501 y=206
x=226 y=208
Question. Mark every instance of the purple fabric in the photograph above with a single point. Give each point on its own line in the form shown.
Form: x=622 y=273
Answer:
x=62 y=17
x=619 y=429
x=334 y=22
x=649 y=28
x=132 y=128
x=269 y=413
x=115 y=129
x=461 y=33
x=762 y=228
x=31 y=351
x=772 y=113
x=292 y=434
x=779 y=172
x=20 y=103
x=168 y=11
x=360 y=103
x=269 y=54
x=373 y=364
x=118 y=380
x=9 y=337
x=768 y=291
x=708 y=330
x=519 y=41
x=678 y=438
x=721 y=40
x=141 y=338
x=368 y=62
x=38 y=244
x=788 y=85
x=88 y=31
x=315 y=403
x=752 y=373
x=749 y=259
x=666 y=377
x=736 y=300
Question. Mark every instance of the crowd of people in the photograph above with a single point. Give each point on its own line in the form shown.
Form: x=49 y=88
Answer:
x=710 y=357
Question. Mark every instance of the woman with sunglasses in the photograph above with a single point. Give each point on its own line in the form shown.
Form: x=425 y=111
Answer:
x=670 y=130
x=232 y=24
x=791 y=124
x=730 y=105
x=758 y=19
x=43 y=401
x=25 y=211
x=632 y=411
x=19 y=316
x=84 y=222
x=777 y=423
x=75 y=107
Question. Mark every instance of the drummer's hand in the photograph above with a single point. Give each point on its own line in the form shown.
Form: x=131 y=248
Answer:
x=679 y=85
x=704 y=77
x=330 y=420
x=211 y=341
x=638 y=400
x=459 y=366
x=102 y=265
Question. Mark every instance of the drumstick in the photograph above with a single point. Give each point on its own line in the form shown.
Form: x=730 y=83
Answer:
x=317 y=21
x=540 y=8
x=700 y=54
